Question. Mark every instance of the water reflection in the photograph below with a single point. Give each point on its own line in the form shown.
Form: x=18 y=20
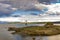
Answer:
x=23 y=25
x=18 y=37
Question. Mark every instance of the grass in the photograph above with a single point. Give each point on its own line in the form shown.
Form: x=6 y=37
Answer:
x=48 y=30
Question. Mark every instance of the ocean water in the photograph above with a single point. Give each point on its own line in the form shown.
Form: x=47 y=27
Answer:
x=6 y=35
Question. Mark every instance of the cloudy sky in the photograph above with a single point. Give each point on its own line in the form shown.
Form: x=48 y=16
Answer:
x=32 y=7
x=19 y=10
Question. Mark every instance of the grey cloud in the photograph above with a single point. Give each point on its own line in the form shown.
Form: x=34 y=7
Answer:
x=26 y=4
x=6 y=9
x=21 y=4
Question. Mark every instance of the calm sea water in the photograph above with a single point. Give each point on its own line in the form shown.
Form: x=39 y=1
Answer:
x=19 y=37
x=6 y=35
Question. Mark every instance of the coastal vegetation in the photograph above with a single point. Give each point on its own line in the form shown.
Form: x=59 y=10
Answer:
x=47 y=30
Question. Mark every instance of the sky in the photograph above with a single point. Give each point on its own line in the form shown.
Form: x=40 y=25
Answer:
x=31 y=7
x=19 y=8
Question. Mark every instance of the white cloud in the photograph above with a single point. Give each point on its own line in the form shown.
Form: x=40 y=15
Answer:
x=52 y=8
x=14 y=8
x=31 y=18
x=40 y=6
